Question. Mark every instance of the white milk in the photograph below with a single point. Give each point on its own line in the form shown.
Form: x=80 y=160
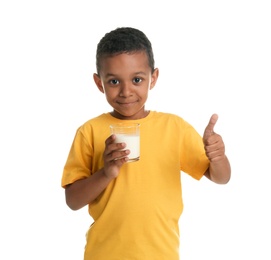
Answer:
x=132 y=144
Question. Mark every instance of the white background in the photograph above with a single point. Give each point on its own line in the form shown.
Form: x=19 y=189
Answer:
x=213 y=56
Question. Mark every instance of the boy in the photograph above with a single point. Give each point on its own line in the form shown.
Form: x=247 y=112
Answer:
x=136 y=206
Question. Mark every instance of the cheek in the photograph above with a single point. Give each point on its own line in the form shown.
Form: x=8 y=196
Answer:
x=111 y=93
x=144 y=92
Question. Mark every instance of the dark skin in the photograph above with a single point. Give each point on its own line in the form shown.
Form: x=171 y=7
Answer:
x=219 y=169
x=126 y=79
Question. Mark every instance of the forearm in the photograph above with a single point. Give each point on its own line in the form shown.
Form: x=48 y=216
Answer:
x=85 y=191
x=219 y=171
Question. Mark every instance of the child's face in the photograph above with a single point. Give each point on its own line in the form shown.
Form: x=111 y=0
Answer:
x=126 y=79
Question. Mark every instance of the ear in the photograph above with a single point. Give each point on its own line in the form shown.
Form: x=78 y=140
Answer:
x=154 y=77
x=98 y=82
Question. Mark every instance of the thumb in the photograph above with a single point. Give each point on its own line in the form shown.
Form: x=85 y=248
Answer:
x=209 y=130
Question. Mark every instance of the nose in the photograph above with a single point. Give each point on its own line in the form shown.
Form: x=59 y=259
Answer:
x=126 y=89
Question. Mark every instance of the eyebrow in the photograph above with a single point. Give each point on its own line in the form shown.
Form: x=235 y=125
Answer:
x=135 y=74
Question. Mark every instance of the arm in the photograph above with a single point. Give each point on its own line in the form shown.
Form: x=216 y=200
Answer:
x=85 y=191
x=219 y=170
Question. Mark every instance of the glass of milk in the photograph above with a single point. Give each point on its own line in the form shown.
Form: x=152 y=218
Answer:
x=129 y=134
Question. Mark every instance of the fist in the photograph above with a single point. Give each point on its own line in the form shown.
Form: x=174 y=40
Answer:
x=213 y=143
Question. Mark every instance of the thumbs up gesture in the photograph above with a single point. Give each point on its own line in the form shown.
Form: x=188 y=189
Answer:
x=213 y=143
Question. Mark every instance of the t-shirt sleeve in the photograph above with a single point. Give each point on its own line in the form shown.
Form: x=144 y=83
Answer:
x=194 y=160
x=79 y=160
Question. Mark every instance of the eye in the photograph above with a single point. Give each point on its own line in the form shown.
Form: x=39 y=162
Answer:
x=114 y=81
x=137 y=80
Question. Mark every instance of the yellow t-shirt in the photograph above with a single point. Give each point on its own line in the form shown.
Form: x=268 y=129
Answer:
x=136 y=217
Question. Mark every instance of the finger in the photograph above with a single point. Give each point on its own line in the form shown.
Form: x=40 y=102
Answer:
x=209 y=130
x=215 y=151
x=110 y=139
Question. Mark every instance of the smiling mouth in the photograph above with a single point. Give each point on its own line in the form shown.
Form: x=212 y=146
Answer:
x=126 y=103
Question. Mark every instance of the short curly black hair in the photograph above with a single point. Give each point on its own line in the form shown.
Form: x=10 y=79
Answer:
x=124 y=40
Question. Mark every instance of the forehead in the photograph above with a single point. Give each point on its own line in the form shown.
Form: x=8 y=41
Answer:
x=136 y=61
